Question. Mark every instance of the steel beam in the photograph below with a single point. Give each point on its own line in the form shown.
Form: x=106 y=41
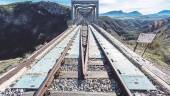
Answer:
x=94 y=4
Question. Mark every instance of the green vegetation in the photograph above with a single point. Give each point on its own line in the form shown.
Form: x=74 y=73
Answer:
x=8 y=8
x=158 y=51
x=5 y=65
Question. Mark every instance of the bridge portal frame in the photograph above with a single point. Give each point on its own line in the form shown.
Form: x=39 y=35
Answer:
x=75 y=4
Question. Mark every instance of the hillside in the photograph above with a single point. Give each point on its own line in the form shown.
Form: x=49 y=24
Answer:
x=132 y=26
x=121 y=14
x=164 y=12
x=128 y=30
x=27 y=25
x=136 y=15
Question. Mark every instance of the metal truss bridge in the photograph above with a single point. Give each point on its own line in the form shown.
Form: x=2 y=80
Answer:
x=85 y=60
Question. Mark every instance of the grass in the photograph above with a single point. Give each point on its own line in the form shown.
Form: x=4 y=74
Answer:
x=6 y=65
x=9 y=8
x=158 y=51
x=154 y=55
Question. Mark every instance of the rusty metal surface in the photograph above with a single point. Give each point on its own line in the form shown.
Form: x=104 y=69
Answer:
x=84 y=49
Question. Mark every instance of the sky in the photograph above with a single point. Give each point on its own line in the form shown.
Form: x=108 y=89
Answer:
x=143 y=6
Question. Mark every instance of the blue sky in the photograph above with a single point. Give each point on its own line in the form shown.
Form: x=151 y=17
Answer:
x=143 y=6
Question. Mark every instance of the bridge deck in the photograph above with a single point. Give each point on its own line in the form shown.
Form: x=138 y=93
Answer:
x=74 y=50
x=94 y=51
x=35 y=76
x=131 y=75
x=102 y=54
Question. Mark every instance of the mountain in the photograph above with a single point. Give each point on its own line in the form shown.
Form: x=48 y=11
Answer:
x=164 y=12
x=114 y=13
x=130 y=26
x=122 y=14
x=28 y=24
x=136 y=14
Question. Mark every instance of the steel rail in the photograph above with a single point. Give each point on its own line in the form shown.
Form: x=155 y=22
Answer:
x=126 y=90
x=31 y=59
x=84 y=52
x=51 y=75
x=86 y=55
x=82 y=75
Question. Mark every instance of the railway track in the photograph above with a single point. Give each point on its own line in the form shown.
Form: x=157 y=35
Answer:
x=51 y=75
x=16 y=78
x=157 y=87
x=10 y=76
x=101 y=75
x=83 y=62
x=94 y=78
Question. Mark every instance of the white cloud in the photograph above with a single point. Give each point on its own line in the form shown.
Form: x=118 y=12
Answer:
x=144 y=6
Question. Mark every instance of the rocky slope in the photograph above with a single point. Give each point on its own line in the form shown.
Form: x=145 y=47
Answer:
x=26 y=25
x=133 y=26
x=129 y=29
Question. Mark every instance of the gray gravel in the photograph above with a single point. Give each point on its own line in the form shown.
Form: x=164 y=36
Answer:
x=96 y=68
x=74 y=67
x=151 y=93
x=89 y=85
x=69 y=67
